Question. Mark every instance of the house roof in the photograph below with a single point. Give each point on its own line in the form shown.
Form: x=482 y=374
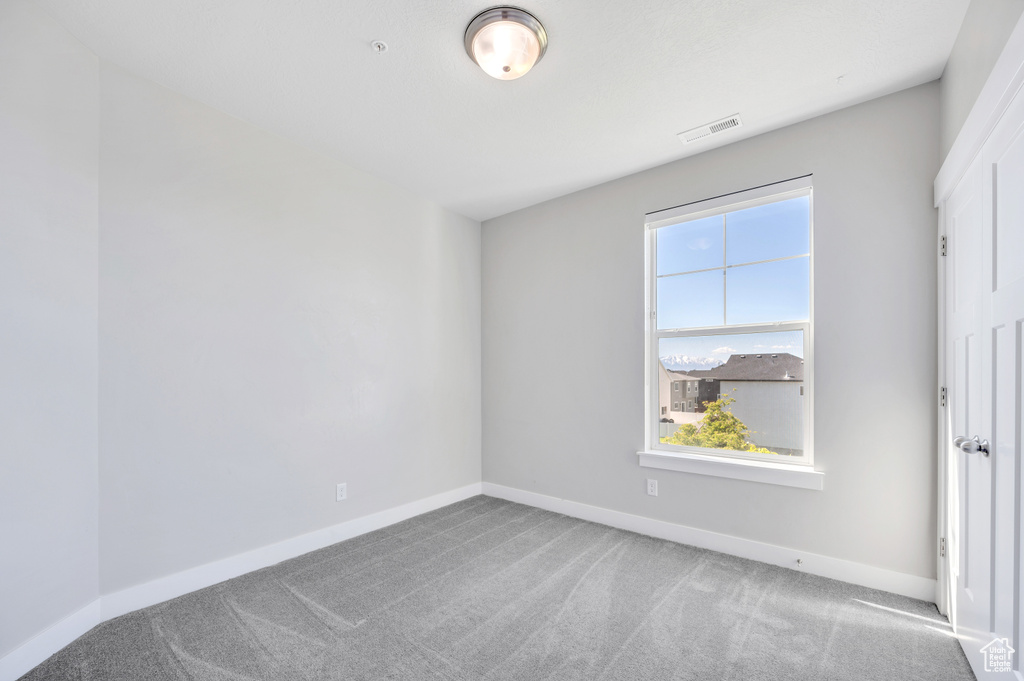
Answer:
x=674 y=375
x=765 y=367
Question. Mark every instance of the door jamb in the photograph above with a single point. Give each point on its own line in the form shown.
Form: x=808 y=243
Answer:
x=943 y=553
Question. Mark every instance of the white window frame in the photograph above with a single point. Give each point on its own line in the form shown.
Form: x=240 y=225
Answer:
x=717 y=462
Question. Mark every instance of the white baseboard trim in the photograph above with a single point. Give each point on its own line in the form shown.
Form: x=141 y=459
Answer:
x=30 y=654
x=824 y=566
x=187 y=581
x=24 y=658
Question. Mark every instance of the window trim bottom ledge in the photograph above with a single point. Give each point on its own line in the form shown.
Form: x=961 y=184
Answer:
x=767 y=472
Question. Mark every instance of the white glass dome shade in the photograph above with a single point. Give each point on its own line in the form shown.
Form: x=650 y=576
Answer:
x=506 y=42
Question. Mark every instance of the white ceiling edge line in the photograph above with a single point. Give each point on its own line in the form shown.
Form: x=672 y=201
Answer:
x=469 y=209
x=1004 y=81
x=742 y=133
x=104 y=62
x=423 y=117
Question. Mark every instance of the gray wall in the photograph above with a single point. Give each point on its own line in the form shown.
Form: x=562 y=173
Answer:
x=983 y=35
x=272 y=323
x=48 y=303
x=563 y=317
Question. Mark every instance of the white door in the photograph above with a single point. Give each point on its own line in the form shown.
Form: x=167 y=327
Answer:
x=984 y=358
x=970 y=472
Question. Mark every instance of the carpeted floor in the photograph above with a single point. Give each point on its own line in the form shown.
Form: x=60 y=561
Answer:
x=487 y=589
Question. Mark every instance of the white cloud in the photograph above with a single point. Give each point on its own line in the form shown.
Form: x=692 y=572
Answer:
x=725 y=350
x=699 y=244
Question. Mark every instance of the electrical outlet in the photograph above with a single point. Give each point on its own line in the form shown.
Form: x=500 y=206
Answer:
x=342 y=491
x=652 y=487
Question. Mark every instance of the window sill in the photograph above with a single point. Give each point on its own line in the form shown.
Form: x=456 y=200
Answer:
x=788 y=475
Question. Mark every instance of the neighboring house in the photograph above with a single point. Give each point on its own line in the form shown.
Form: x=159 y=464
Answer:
x=678 y=399
x=769 y=392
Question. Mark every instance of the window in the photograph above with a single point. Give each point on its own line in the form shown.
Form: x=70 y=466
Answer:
x=729 y=292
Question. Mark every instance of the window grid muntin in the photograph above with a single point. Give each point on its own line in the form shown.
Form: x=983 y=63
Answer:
x=725 y=211
x=781 y=191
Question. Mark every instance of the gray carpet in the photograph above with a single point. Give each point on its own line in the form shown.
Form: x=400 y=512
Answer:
x=487 y=589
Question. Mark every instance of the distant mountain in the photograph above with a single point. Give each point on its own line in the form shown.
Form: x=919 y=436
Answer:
x=687 y=363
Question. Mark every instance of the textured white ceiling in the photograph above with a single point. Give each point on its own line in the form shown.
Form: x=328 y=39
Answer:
x=620 y=78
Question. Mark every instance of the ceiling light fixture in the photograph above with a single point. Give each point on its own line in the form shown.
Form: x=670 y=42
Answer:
x=506 y=42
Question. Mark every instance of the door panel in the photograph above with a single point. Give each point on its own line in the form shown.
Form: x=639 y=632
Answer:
x=965 y=242
x=972 y=570
x=984 y=364
x=1006 y=381
x=1009 y=238
x=1005 y=156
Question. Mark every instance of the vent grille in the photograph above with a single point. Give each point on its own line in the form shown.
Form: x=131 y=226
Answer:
x=710 y=129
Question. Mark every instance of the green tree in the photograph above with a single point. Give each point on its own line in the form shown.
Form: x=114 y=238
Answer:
x=719 y=429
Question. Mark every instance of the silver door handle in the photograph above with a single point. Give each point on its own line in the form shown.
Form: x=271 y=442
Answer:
x=971 y=445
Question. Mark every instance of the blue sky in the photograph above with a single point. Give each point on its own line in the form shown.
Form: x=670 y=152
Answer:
x=736 y=292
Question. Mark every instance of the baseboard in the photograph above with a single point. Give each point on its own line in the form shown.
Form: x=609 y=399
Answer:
x=28 y=655
x=824 y=566
x=180 y=583
x=36 y=650
x=24 y=658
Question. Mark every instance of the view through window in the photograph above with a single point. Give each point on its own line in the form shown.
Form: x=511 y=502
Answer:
x=730 y=325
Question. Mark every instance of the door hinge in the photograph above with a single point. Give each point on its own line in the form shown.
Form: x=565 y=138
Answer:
x=942 y=397
x=942 y=547
x=942 y=245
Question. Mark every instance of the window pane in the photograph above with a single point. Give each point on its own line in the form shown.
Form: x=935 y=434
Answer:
x=774 y=230
x=749 y=392
x=690 y=300
x=768 y=292
x=690 y=246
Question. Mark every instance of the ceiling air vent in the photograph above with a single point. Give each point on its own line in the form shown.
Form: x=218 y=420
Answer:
x=710 y=129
